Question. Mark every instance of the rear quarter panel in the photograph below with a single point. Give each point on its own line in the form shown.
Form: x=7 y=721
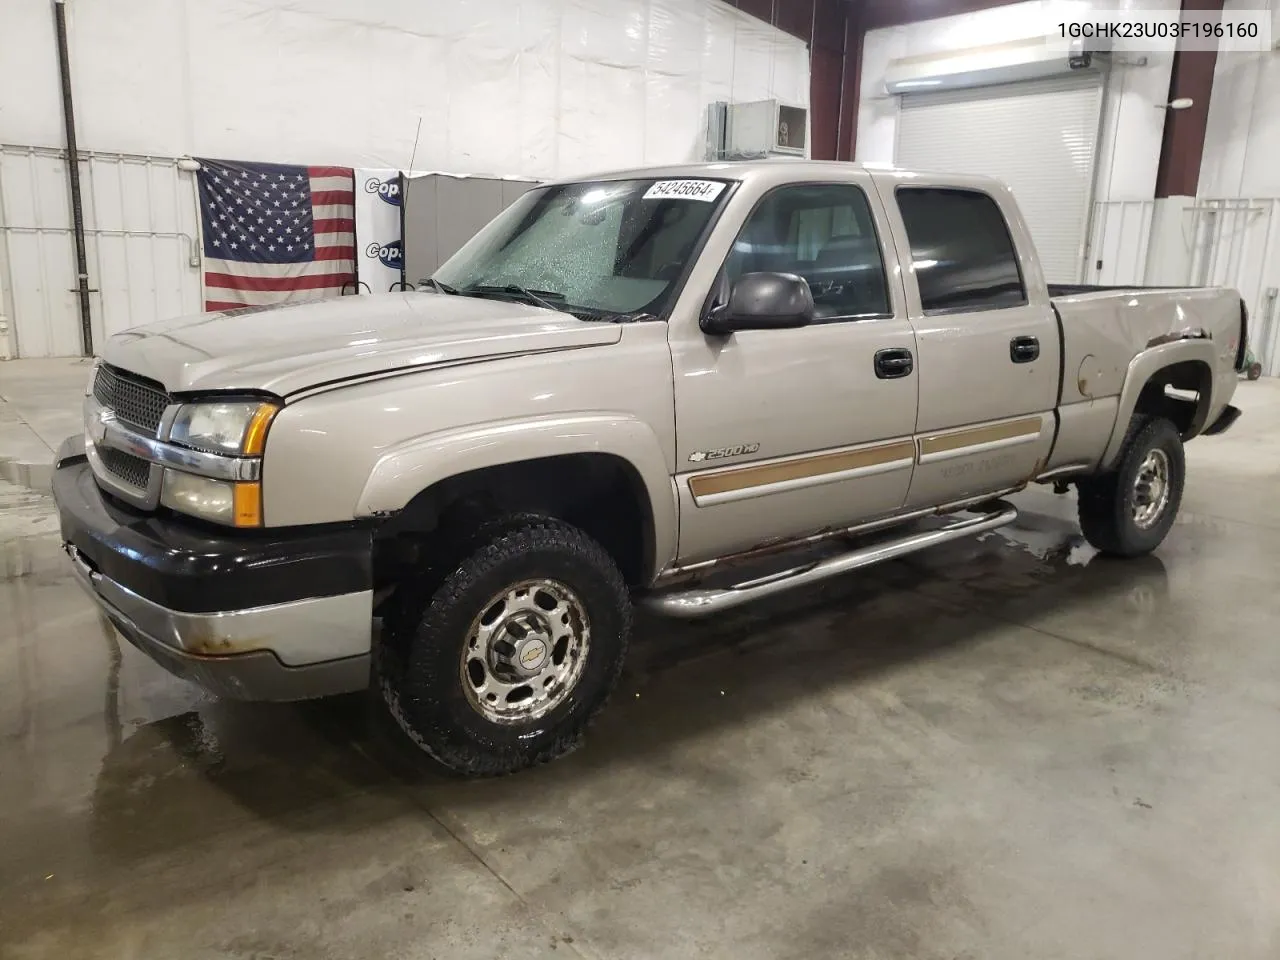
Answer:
x=1113 y=341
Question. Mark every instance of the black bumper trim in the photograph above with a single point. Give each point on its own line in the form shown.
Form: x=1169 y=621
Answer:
x=200 y=570
x=1226 y=420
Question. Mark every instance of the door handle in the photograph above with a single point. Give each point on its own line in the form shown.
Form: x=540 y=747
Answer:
x=893 y=362
x=1024 y=349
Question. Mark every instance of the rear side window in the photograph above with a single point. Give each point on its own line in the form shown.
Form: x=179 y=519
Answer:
x=961 y=249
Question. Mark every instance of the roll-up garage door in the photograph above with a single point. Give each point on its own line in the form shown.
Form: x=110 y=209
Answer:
x=1038 y=136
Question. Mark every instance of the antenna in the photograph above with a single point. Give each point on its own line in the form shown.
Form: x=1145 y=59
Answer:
x=413 y=156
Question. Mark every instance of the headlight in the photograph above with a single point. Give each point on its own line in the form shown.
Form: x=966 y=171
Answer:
x=218 y=501
x=234 y=428
x=231 y=428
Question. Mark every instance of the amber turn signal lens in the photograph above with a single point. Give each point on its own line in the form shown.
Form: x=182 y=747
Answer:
x=255 y=435
x=248 y=504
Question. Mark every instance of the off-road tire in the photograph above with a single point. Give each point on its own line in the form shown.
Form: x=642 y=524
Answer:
x=1106 y=502
x=429 y=624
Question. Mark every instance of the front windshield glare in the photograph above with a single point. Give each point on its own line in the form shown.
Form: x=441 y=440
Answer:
x=604 y=247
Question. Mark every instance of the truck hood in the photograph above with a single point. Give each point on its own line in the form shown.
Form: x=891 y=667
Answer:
x=287 y=348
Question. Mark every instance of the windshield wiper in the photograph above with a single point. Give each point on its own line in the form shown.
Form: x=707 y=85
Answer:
x=539 y=298
x=439 y=287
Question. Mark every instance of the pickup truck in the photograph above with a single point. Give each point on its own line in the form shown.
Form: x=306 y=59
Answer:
x=684 y=388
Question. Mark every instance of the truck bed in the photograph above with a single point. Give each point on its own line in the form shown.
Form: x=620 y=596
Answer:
x=1075 y=289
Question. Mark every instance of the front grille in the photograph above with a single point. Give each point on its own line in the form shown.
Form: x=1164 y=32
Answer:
x=134 y=400
x=126 y=467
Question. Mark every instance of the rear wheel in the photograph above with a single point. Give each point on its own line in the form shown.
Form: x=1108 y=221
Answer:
x=510 y=656
x=1130 y=510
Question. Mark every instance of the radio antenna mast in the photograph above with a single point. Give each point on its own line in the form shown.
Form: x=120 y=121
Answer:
x=413 y=156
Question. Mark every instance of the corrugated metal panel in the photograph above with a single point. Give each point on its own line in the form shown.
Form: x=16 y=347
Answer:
x=140 y=225
x=1118 y=248
x=1237 y=244
x=1040 y=137
x=36 y=255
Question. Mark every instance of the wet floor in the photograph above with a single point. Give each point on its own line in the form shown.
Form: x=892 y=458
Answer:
x=1005 y=748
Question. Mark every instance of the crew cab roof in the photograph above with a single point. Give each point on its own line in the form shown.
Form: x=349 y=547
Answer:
x=768 y=169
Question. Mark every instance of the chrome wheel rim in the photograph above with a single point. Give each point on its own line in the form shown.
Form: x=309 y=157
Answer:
x=1151 y=489
x=525 y=651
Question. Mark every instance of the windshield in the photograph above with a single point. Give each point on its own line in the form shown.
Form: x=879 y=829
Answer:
x=596 y=249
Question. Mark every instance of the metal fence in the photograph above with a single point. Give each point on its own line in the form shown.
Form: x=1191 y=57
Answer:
x=1236 y=243
x=141 y=235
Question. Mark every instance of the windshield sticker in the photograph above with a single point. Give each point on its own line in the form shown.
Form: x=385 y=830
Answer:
x=705 y=190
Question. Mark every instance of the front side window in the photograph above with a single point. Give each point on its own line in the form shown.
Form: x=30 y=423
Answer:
x=595 y=249
x=824 y=233
x=961 y=250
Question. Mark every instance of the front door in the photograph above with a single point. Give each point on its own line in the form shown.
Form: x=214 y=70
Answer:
x=988 y=352
x=788 y=432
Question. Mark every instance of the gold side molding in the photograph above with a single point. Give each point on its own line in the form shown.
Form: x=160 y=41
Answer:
x=942 y=443
x=800 y=468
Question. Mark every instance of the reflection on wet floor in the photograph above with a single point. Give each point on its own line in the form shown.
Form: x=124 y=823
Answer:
x=948 y=755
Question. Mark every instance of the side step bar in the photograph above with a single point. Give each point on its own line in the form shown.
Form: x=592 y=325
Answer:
x=692 y=604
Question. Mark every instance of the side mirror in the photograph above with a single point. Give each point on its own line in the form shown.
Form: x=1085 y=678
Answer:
x=762 y=301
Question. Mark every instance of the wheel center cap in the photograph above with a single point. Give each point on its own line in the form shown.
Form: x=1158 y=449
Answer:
x=531 y=655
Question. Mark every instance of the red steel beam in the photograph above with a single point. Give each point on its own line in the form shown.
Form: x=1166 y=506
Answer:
x=1182 y=147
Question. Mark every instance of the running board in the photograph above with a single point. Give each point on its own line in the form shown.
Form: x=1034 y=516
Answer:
x=693 y=604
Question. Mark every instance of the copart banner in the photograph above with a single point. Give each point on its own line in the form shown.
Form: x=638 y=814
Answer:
x=379 y=257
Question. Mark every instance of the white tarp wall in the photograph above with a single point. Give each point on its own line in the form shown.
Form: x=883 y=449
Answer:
x=540 y=88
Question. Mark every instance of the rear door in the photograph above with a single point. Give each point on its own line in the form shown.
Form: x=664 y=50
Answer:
x=988 y=353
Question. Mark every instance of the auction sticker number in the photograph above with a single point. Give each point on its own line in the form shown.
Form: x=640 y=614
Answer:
x=705 y=190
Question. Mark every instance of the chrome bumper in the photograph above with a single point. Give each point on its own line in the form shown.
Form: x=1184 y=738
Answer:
x=290 y=651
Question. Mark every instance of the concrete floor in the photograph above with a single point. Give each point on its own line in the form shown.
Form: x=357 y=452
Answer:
x=39 y=408
x=1006 y=748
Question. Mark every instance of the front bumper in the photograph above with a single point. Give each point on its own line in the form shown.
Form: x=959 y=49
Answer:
x=269 y=615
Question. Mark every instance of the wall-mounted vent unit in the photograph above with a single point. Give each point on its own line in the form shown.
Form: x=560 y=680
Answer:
x=1016 y=60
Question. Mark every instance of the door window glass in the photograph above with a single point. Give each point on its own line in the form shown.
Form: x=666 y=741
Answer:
x=824 y=233
x=961 y=250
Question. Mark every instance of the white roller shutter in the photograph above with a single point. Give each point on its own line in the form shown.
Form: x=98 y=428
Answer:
x=1039 y=136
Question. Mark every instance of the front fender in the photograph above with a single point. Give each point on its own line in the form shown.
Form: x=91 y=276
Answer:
x=408 y=468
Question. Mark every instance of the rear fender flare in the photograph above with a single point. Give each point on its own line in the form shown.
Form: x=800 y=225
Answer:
x=1142 y=368
x=407 y=469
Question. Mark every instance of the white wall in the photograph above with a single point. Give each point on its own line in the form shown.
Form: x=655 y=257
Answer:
x=538 y=87
x=1242 y=141
x=542 y=88
x=1129 y=151
x=1232 y=234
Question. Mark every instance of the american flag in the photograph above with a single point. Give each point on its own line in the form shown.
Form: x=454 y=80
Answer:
x=275 y=233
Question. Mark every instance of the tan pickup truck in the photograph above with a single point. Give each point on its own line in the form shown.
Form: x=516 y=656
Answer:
x=685 y=387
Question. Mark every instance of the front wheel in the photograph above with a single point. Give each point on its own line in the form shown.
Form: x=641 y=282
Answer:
x=507 y=661
x=1130 y=510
